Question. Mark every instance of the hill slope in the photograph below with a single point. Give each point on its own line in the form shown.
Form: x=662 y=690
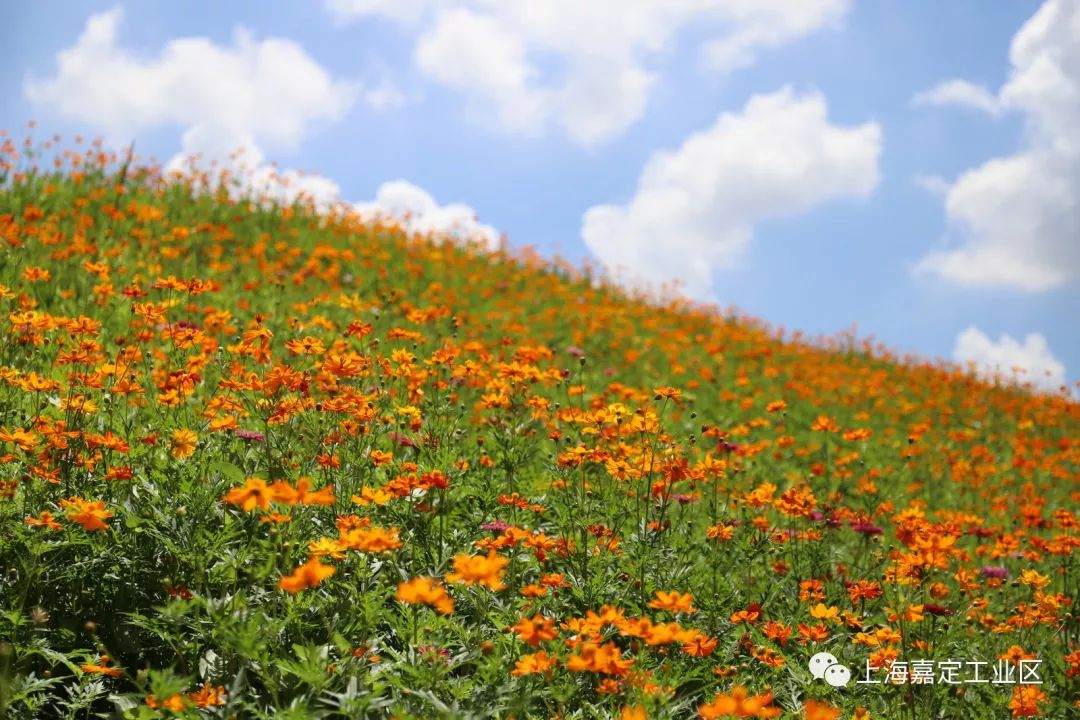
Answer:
x=264 y=462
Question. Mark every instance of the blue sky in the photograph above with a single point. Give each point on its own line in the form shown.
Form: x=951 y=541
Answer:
x=904 y=166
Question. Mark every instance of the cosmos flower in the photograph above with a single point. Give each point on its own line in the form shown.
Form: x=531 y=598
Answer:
x=308 y=575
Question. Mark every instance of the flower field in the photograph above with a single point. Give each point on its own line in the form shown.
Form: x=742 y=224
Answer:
x=262 y=461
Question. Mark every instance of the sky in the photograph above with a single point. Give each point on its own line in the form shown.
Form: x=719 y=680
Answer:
x=906 y=168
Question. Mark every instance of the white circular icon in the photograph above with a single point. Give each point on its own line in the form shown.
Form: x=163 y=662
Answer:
x=825 y=666
x=820 y=663
x=837 y=675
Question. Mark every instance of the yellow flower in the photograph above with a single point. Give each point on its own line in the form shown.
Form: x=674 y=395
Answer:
x=183 y=443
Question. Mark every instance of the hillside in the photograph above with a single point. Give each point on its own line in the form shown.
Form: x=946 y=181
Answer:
x=265 y=462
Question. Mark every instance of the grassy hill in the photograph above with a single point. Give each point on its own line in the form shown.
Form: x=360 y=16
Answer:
x=260 y=461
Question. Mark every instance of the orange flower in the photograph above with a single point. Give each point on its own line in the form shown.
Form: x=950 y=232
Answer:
x=700 y=646
x=306 y=576
x=673 y=602
x=102 y=668
x=305 y=346
x=538 y=662
x=91 y=515
x=777 y=632
x=302 y=494
x=208 y=696
x=378 y=457
x=739 y=704
x=479 y=570
x=1015 y=654
x=183 y=443
x=636 y=712
x=425 y=591
x=177 y=703
x=536 y=630
x=822 y=612
x=812 y=633
x=254 y=494
x=1026 y=700
x=1034 y=578
x=720 y=532
x=819 y=710
x=371 y=540
x=45 y=520
x=593 y=657
x=750 y=615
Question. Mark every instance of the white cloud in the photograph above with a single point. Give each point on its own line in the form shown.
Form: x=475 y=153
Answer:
x=1016 y=220
x=208 y=149
x=269 y=89
x=585 y=68
x=933 y=184
x=1027 y=362
x=384 y=96
x=695 y=208
x=763 y=24
x=401 y=10
x=228 y=100
x=412 y=207
x=959 y=92
x=417 y=212
x=470 y=52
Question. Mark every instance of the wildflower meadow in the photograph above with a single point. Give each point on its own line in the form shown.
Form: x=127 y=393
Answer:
x=280 y=461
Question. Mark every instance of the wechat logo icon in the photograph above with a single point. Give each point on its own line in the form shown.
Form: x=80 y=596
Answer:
x=825 y=666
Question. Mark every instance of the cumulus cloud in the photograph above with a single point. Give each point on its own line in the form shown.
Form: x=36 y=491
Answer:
x=1014 y=221
x=271 y=89
x=695 y=208
x=584 y=68
x=959 y=92
x=229 y=101
x=1028 y=362
x=209 y=149
x=418 y=213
